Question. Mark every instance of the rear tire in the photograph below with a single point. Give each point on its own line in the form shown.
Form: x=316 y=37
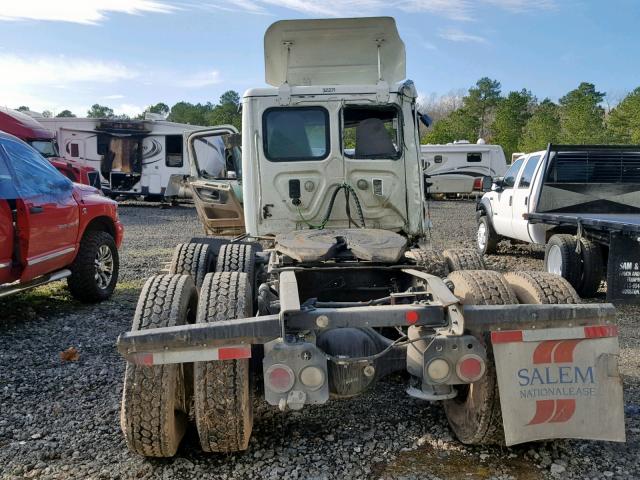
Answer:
x=223 y=389
x=94 y=272
x=486 y=239
x=560 y=257
x=237 y=257
x=541 y=288
x=475 y=415
x=155 y=400
x=430 y=261
x=592 y=268
x=195 y=259
x=463 y=259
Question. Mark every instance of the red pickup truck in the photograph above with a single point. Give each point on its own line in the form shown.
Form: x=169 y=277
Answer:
x=52 y=228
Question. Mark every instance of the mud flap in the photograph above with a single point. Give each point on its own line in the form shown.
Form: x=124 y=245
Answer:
x=559 y=383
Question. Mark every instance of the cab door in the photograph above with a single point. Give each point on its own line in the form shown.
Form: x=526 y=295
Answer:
x=521 y=199
x=215 y=161
x=7 y=194
x=47 y=213
x=502 y=202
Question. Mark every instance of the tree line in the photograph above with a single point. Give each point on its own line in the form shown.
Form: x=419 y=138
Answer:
x=517 y=121
x=520 y=123
x=226 y=111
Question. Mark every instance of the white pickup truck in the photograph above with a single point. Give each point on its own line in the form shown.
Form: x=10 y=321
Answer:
x=583 y=203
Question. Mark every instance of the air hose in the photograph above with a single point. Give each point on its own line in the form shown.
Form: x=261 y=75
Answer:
x=348 y=190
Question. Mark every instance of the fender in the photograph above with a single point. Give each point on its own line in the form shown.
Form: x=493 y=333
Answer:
x=483 y=207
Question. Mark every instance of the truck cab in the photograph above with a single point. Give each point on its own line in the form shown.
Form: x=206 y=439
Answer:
x=29 y=130
x=51 y=228
x=330 y=121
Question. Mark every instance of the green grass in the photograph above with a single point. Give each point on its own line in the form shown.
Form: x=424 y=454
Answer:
x=54 y=299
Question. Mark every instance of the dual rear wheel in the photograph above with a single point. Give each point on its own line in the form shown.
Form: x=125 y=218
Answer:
x=158 y=401
x=475 y=414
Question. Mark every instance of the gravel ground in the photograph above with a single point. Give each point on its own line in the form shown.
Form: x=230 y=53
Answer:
x=61 y=419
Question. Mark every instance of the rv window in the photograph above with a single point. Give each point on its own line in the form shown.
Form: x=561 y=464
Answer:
x=527 y=173
x=102 y=144
x=437 y=158
x=295 y=133
x=510 y=177
x=173 y=145
x=474 y=157
x=75 y=151
x=371 y=132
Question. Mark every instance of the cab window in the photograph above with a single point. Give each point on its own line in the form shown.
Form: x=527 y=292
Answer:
x=371 y=132
x=34 y=176
x=528 y=172
x=510 y=177
x=295 y=134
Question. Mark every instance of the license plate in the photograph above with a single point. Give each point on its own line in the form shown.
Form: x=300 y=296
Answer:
x=559 y=383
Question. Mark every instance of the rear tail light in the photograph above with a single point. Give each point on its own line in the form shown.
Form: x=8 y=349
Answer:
x=470 y=368
x=477 y=183
x=438 y=370
x=279 y=378
x=312 y=377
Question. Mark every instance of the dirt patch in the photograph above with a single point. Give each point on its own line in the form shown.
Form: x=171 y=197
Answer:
x=453 y=464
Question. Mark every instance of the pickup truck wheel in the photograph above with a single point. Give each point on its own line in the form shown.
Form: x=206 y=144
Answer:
x=94 y=272
x=430 y=261
x=237 y=257
x=486 y=239
x=155 y=399
x=541 y=288
x=592 y=268
x=560 y=257
x=474 y=414
x=463 y=259
x=195 y=259
x=223 y=390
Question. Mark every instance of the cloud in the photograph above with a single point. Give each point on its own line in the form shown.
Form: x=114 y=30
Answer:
x=460 y=10
x=200 y=79
x=115 y=96
x=89 y=12
x=456 y=35
x=128 y=109
x=59 y=71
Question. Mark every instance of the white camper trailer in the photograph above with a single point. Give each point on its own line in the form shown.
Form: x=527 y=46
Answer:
x=137 y=157
x=453 y=168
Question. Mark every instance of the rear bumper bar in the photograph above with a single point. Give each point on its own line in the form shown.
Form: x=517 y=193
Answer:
x=260 y=330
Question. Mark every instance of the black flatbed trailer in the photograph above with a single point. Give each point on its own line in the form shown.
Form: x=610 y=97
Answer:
x=627 y=224
x=619 y=233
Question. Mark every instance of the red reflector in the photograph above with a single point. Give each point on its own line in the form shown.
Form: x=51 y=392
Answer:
x=280 y=378
x=234 y=353
x=507 y=336
x=145 y=359
x=470 y=368
x=411 y=317
x=601 y=331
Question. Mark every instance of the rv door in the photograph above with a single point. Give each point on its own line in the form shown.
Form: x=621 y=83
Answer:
x=216 y=179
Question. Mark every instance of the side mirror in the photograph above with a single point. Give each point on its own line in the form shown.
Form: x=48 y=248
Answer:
x=487 y=183
x=499 y=183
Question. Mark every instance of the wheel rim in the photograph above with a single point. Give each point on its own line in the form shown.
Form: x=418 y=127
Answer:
x=104 y=267
x=482 y=236
x=554 y=260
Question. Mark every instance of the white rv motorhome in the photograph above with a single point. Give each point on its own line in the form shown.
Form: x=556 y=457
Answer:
x=453 y=168
x=137 y=157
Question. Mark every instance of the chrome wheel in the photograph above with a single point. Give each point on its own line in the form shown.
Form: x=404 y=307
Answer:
x=554 y=260
x=482 y=236
x=104 y=267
